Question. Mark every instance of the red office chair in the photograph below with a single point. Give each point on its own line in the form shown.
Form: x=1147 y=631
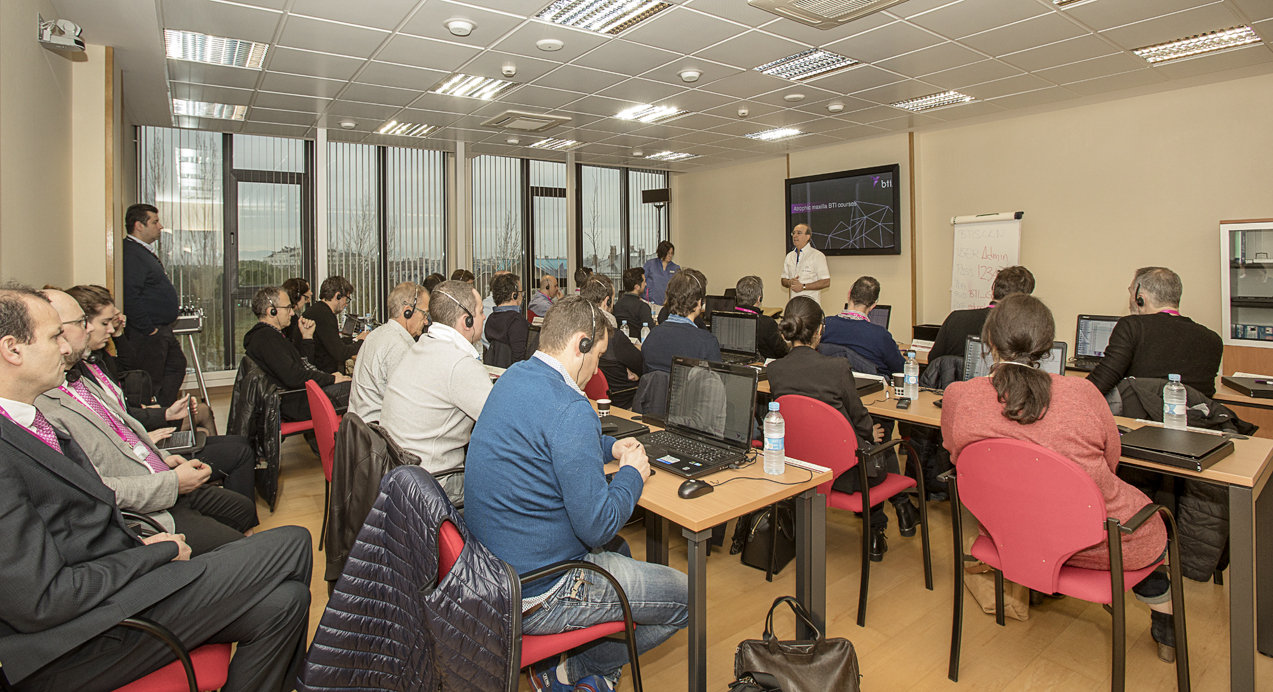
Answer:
x=325 y=423
x=1039 y=509
x=822 y=435
x=537 y=647
x=597 y=387
x=202 y=670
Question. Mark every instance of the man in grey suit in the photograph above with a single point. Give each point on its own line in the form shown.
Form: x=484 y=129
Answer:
x=71 y=569
x=168 y=488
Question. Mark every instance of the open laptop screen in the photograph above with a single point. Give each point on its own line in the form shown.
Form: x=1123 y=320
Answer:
x=736 y=331
x=719 y=304
x=1092 y=335
x=711 y=399
x=880 y=314
x=977 y=361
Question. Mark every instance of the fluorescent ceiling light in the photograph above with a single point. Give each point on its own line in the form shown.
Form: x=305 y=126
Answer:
x=1197 y=45
x=1067 y=3
x=393 y=127
x=201 y=109
x=775 y=135
x=555 y=144
x=485 y=88
x=214 y=50
x=671 y=156
x=646 y=113
x=602 y=16
x=925 y=103
x=810 y=64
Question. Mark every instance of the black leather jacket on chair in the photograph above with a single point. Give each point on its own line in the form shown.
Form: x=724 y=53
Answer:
x=254 y=413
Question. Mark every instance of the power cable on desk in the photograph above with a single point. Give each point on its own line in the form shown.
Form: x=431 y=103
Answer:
x=748 y=460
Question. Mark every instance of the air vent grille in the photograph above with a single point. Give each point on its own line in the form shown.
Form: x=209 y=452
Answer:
x=522 y=121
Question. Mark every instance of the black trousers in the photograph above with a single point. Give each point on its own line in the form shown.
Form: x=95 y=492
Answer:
x=295 y=407
x=254 y=592
x=211 y=517
x=233 y=462
x=161 y=357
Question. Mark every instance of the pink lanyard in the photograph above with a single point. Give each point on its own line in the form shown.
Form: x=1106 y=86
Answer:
x=1169 y=311
x=107 y=384
x=852 y=315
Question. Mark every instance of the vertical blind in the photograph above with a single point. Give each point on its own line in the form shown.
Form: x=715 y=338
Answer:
x=600 y=221
x=497 y=191
x=353 y=222
x=647 y=224
x=415 y=214
x=548 y=220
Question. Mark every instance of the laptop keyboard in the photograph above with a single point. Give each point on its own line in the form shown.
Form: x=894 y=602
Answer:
x=690 y=447
x=1088 y=364
x=184 y=438
x=739 y=358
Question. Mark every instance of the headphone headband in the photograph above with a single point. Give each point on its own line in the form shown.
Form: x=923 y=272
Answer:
x=468 y=321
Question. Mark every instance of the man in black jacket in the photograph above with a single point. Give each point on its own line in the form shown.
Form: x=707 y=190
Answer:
x=961 y=324
x=506 y=324
x=330 y=350
x=629 y=307
x=151 y=304
x=1156 y=341
x=622 y=362
x=72 y=569
x=749 y=291
x=289 y=368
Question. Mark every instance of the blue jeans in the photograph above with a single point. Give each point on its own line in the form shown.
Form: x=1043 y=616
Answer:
x=658 y=596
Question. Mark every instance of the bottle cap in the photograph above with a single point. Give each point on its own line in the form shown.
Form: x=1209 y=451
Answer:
x=1174 y=378
x=773 y=406
x=910 y=354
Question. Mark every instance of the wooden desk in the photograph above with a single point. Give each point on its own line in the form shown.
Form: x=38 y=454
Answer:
x=696 y=518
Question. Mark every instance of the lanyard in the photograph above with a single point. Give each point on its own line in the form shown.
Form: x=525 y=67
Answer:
x=1169 y=311
x=853 y=315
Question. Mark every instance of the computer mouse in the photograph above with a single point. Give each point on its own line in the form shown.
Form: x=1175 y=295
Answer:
x=694 y=488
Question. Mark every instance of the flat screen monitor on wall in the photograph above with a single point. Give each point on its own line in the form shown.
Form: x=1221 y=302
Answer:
x=850 y=212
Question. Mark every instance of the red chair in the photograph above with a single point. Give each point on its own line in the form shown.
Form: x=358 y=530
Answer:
x=325 y=422
x=202 y=670
x=597 y=387
x=819 y=434
x=1039 y=509
x=537 y=647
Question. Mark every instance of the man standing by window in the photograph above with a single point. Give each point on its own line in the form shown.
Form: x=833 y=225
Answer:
x=151 y=304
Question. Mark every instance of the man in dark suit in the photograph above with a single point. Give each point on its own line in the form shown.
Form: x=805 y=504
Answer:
x=151 y=304
x=749 y=291
x=72 y=569
x=330 y=350
x=961 y=324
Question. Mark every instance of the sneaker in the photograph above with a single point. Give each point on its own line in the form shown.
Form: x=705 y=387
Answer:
x=593 y=683
x=543 y=677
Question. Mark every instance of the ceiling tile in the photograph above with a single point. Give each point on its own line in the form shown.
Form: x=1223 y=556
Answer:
x=641 y=91
x=1060 y=53
x=818 y=37
x=381 y=14
x=746 y=84
x=976 y=73
x=939 y=57
x=197 y=73
x=783 y=118
x=369 y=93
x=810 y=92
x=885 y=42
x=822 y=125
x=857 y=79
x=1103 y=15
x=307 y=104
x=820 y=107
x=274 y=129
x=525 y=8
x=1255 y=10
x=430 y=22
x=219 y=19
x=1035 y=98
x=297 y=84
x=874 y=114
x=423 y=52
x=698 y=101
x=210 y=94
x=368 y=111
x=606 y=123
x=313 y=34
x=491 y=64
x=662 y=131
x=699 y=121
x=632 y=141
x=270 y=115
x=1228 y=60
x=1036 y=31
x=1126 y=80
x=732 y=10
x=448 y=104
x=522 y=41
x=682 y=30
x=974 y=16
x=856 y=132
x=752 y=49
x=455 y=135
x=702 y=137
x=579 y=134
x=1173 y=26
x=742 y=128
x=1091 y=69
x=541 y=97
x=313 y=64
x=1003 y=87
x=754 y=108
x=709 y=71
x=968 y=110
x=625 y=57
x=900 y=91
x=425 y=117
x=917 y=7
x=907 y=122
x=400 y=76
x=577 y=78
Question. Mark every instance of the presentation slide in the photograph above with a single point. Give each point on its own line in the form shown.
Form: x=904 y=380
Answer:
x=849 y=213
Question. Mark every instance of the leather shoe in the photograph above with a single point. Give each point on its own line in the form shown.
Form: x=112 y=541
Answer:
x=938 y=496
x=879 y=545
x=1163 y=630
x=907 y=518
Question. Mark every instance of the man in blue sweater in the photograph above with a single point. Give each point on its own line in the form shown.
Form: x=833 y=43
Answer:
x=851 y=328
x=151 y=305
x=536 y=494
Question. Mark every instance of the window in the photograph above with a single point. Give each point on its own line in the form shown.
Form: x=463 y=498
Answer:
x=548 y=221
x=415 y=215
x=353 y=222
x=616 y=230
x=498 y=224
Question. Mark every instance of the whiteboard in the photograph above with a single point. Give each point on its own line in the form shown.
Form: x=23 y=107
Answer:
x=983 y=245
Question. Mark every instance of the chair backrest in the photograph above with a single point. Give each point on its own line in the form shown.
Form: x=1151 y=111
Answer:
x=651 y=394
x=326 y=422
x=819 y=434
x=498 y=354
x=1038 y=507
x=450 y=545
x=857 y=362
x=597 y=387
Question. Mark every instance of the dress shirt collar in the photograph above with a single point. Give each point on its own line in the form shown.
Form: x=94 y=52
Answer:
x=20 y=413
x=681 y=319
x=444 y=332
x=507 y=308
x=148 y=246
x=561 y=370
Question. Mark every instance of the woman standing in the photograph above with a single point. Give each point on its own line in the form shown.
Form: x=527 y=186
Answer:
x=658 y=272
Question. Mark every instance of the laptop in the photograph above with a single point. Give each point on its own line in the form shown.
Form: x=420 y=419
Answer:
x=880 y=314
x=1184 y=449
x=1091 y=336
x=736 y=332
x=353 y=324
x=1254 y=387
x=713 y=304
x=977 y=361
x=710 y=411
x=182 y=441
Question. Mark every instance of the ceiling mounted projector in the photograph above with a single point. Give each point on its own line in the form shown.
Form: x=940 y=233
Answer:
x=60 y=34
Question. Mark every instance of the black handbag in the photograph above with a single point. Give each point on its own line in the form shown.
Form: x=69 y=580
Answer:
x=771 y=538
x=816 y=665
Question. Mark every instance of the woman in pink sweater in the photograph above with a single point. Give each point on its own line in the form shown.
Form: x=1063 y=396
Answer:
x=1067 y=415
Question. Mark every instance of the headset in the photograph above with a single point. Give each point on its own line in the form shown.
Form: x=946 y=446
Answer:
x=1140 y=302
x=585 y=344
x=468 y=320
x=273 y=308
x=409 y=311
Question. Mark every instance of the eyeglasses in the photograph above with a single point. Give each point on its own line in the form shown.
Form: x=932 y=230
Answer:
x=82 y=322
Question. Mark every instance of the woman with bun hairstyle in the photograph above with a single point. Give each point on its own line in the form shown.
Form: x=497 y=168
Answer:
x=1069 y=416
x=806 y=372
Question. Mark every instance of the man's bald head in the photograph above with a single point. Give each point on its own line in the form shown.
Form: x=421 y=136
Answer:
x=71 y=315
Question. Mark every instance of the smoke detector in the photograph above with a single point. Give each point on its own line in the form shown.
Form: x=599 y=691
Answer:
x=793 y=98
x=549 y=45
x=348 y=124
x=689 y=76
x=513 y=140
x=835 y=107
x=460 y=27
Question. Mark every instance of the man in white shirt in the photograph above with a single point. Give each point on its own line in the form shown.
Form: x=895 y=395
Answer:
x=436 y=393
x=805 y=270
x=385 y=348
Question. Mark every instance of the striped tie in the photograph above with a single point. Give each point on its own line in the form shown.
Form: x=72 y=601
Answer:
x=125 y=433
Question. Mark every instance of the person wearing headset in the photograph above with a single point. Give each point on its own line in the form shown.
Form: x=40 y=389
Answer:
x=283 y=363
x=1155 y=340
x=436 y=392
x=409 y=316
x=678 y=335
x=537 y=495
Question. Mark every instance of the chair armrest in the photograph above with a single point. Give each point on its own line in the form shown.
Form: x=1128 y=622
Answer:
x=568 y=565
x=302 y=390
x=143 y=519
x=947 y=476
x=169 y=639
x=1142 y=516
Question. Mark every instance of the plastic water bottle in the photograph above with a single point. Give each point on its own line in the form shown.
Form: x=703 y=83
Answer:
x=1174 y=404
x=775 y=447
x=645 y=331
x=910 y=374
x=623 y=329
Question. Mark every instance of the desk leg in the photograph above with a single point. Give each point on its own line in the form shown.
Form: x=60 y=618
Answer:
x=697 y=553
x=656 y=530
x=1264 y=573
x=811 y=559
x=1241 y=589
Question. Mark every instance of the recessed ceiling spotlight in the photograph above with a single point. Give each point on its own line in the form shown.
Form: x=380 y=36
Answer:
x=549 y=45
x=1197 y=45
x=775 y=134
x=555 y=144
x=835 y=107
x=348 y=124
x=671 y=156
x=646 y=113
x=793 y=98
x=393 y=127
x=214 y=50
x=202 y=109
x=485 y=88
x=925 y=103
x=743 y=112
x=690 y=75
x=638 y=153
x=611 y=17
x=460 y=27
x=807 y=65
x=513 y=140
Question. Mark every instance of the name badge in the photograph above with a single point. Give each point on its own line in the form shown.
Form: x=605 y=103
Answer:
x=141 y=452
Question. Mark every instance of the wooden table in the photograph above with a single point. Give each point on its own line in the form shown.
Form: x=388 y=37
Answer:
x=696 y=518
x=1244 y=475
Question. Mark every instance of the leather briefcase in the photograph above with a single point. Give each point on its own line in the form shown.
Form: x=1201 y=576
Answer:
x=815 y=665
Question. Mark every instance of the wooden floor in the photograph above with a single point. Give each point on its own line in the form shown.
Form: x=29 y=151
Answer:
x=1065 y=645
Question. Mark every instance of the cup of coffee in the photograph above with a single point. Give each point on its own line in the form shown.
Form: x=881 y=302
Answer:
x=899 y=384
x=603 y=407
